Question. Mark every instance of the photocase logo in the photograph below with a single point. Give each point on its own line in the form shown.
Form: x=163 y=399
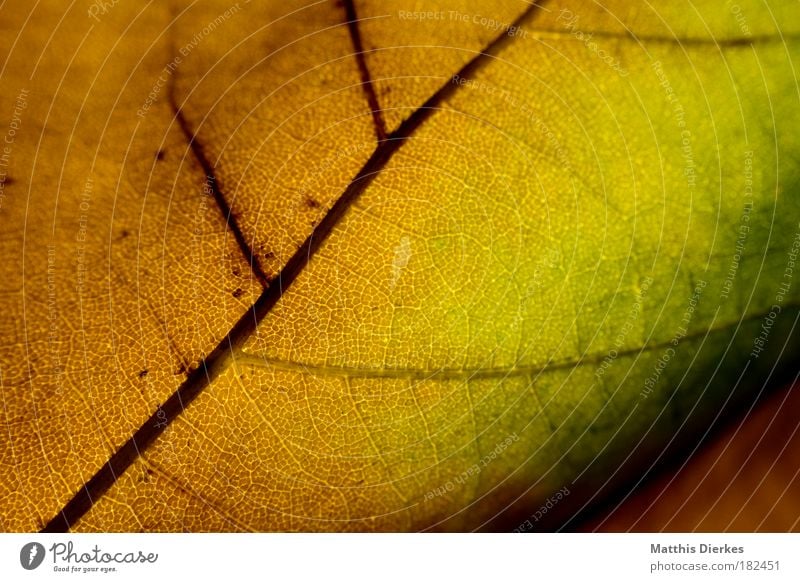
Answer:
x=31 y=555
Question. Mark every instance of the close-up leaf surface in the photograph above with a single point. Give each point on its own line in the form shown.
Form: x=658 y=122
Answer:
x=385 y=266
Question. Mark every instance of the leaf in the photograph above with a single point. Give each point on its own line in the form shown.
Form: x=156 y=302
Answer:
x=408 y=270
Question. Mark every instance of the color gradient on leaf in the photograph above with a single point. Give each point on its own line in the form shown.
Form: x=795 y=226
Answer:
x=549 y=273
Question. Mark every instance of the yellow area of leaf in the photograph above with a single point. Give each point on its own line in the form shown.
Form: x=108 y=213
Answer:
x=412 y=48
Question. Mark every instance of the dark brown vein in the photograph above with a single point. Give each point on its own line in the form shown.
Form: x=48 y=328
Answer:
x=215 y=362
x=213 y=187
x=366 y=77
